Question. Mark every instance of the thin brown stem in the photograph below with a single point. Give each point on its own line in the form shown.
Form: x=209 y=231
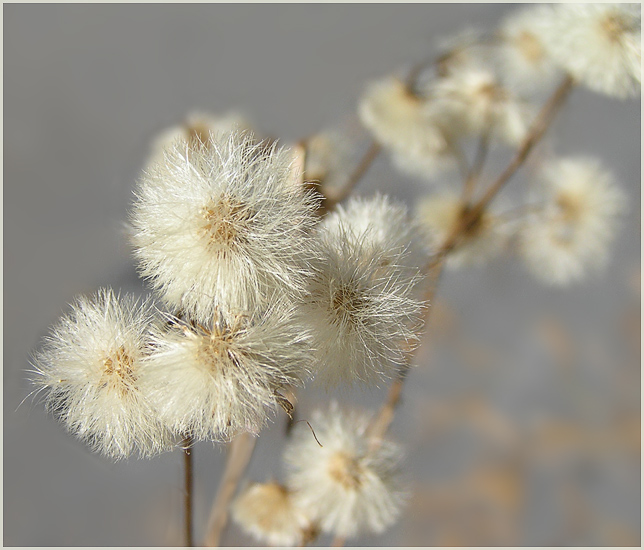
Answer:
x=239 y=454
x=473 y=214
x=477 y=164
x=187 y=467
x=385 y=415
x=372 y=153
x=539 y=127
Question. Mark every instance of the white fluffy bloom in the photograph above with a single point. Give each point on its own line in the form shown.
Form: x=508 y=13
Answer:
x=399 y=120
x=472 y=100
x=523 y=54
x=267 y=512
x=361 y=306
x=195 y=131
x=600 y=46
x=89 y=368
x=439 y=214
x=218 y=381
x=385 y=223
x=346 y=486
x=573 y=232
x=221 y=226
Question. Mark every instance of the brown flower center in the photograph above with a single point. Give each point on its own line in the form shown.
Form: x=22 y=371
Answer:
x=225 y=222
x=118 y=372
x=346 y=470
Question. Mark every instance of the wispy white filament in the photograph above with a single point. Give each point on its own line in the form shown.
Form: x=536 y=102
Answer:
x=222 y=226
x=90 y=370
x=344 y=485
x=217 y=381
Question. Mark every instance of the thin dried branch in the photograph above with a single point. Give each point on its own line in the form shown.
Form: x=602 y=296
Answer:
x=239 y=455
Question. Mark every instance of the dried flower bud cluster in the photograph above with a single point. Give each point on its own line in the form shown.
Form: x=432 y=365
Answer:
x=262 y=297
x=264 y=288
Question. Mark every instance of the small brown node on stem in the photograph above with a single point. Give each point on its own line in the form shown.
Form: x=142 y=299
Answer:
x=473 y=223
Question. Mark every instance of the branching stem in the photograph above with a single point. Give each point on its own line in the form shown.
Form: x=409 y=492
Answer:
x=385 y=415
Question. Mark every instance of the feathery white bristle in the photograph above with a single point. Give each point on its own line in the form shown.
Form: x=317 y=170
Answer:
x=89 y=368
x=215 y=382
x=222 y=226
x=361 y=306
x=346 y=486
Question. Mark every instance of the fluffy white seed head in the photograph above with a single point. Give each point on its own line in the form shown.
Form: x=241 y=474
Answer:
x=398 y=119
x=217 y=381
x=90 y=370
x=361 y=306
x=600 y=46
x=439 y=214
x=195 y=131
x=267 y=512
x=347 y=485
x=472 y=100
x=222 y=226
x=523 y=56
x=572 y=233
x=383 y=221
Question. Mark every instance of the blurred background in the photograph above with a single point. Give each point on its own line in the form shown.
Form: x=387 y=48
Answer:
x=522 y=418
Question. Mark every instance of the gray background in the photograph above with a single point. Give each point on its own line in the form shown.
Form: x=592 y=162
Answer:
x=86 y=87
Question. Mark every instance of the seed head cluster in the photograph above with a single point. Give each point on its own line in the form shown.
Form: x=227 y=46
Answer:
x=260 y=285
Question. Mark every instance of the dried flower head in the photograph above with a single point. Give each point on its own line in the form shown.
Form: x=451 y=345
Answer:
x=524 y=59
x=383 y=221
x=360 y=305
x=195 y=131
x=573 y=231
x=439 y=215
x=348 y=485
x=471 y=101
x=222 y=226
x=89 y=368
x=399 y=120
x=600 y=46
x=217 y=381
x=267 y=512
